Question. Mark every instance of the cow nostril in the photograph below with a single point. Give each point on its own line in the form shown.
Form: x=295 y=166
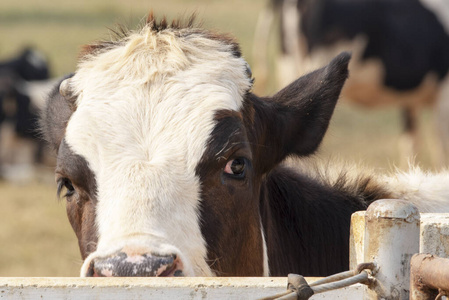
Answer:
x=174 y=268
x=136 y=265
x=90 y=271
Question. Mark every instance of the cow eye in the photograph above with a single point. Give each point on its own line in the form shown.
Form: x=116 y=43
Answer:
x=65 y=183
x=236 y=167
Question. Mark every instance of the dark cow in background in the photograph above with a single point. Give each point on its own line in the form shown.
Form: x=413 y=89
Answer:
x=171 y=166
x=24 y=83
x=400 y=53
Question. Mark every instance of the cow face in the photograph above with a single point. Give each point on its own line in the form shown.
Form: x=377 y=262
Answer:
x=162 y=150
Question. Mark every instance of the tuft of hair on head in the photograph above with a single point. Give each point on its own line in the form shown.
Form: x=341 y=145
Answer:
x=121 y=32
x=163 y=24
x=195 y=27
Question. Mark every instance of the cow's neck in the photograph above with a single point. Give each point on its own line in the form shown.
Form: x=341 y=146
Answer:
x=306 y=224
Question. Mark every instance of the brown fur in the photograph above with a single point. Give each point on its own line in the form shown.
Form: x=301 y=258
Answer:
x=81 y=205
x=229 y=207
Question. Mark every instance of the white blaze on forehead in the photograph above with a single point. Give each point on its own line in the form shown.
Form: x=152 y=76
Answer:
x=145 y=111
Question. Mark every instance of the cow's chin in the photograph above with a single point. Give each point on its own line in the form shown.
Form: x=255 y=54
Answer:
x=142 y=262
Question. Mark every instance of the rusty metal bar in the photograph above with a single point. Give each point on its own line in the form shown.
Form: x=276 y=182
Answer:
x=429 y=273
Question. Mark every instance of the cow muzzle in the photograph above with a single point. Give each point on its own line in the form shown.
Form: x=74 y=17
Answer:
x=131 y=264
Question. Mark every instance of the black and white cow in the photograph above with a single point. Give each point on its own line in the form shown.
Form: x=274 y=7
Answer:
x=23 y=84
x=171 y=166
x=400 y=53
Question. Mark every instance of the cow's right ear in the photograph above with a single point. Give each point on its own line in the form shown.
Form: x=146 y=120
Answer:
x=294 y=121
x=56 y=113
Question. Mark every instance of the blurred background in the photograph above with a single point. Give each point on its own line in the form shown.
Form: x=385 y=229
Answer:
x=35 y=236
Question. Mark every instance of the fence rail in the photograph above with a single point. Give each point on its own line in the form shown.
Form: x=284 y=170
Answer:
x=156 y=288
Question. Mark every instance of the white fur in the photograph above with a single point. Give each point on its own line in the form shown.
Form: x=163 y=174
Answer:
x=145 y=110
x=429 y=192
x=266 y=267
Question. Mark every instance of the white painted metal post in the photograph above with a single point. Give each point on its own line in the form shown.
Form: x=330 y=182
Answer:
x=435 y=234
x=357 y=239
x=391 y=238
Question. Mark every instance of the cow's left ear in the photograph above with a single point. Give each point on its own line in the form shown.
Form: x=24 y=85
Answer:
x=295 y=119
x=57 y=112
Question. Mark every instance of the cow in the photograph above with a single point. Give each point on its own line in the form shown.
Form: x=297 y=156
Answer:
x=171 y=166
x=399 y=55
x=24 y=82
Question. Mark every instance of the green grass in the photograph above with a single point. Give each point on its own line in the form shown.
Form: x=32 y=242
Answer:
x=35 y=236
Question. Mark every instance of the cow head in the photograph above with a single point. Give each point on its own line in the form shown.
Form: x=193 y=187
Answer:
x=162 y=149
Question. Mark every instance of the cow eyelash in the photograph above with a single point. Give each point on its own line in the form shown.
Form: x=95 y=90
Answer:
x=67 y=184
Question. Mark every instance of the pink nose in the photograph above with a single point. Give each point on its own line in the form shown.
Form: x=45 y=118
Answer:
x=121 y=264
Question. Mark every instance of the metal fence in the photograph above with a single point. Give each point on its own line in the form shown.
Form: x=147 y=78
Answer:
x=388 y=234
